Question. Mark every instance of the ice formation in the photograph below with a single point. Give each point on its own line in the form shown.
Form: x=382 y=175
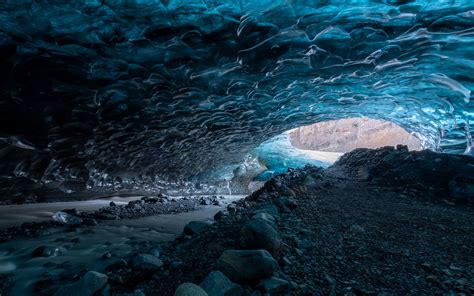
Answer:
x=120 y=94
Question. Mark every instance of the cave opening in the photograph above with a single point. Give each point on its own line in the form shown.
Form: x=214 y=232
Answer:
x=323 y=143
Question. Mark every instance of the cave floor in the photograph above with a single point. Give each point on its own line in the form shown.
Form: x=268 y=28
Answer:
x=349 y=237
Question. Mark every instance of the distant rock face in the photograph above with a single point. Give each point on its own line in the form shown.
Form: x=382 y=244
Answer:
x=347 y=134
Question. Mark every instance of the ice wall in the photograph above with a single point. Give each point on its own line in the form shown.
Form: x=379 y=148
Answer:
x=136 y=94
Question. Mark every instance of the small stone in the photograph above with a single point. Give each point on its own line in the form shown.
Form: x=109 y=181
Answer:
x=357 y=229
x=454 y=268
x=247 y=266
x=460 y=283
x=112 y=204
x=232 y=208
x=90 y=283
x=274 y=286
x=48 y=251
x=155 y=252
x=107 y=255
x=195 y=227
x=189 y=289
x=217 y=284
x=426 y=266
x=176 y=264
x=205 y=202
x=65 y=218
x=219 y=215
x=432 y=279
x=146 y=262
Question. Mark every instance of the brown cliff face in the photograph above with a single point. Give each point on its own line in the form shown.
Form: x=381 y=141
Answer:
x=347 y=134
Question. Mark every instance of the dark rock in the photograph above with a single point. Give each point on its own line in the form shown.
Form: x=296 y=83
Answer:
x=247 y=266
x=176 y=264
x=426 y=267
x=48 y=251
x=89 y=284
x=217 y=284
x=432 y=279
x=189 y=289
x=219 y=215
x=146 y=262
x=195 y=227
x=107 y=255
x=274 y=286
x=205 y=202
x=259 y=234
x=156 y=251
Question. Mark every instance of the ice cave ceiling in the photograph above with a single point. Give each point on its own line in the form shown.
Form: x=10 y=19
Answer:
x=105 y=93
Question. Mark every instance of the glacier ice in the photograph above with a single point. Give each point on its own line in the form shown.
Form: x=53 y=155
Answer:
x=128 y=94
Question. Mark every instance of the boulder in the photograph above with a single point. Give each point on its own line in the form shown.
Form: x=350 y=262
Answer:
x=274 y=286
x=259 y=234
x=146 y=262
x=195 y=227
x=247 y=266
x=89 y=284
x=65 y=218
x=217 y=284
x=189 y=289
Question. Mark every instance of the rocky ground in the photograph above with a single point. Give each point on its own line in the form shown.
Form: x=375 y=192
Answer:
x=361 y=227
x=378 y=222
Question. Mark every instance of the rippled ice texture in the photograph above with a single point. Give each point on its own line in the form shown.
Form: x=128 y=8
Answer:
x=139 y=93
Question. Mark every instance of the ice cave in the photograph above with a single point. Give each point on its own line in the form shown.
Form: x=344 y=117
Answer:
x=236 y=147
